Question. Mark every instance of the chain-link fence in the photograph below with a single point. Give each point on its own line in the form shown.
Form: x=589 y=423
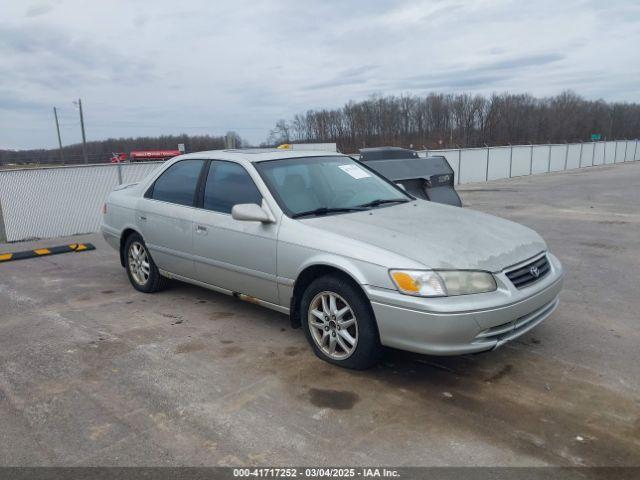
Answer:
x=11 y=160
x=56 y=201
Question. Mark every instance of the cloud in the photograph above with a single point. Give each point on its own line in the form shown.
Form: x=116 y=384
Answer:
x=351 y=76
x=522 y=62
x=51 y=59
x=11 y=101
x=490 y=73
x=146 y=68
x=38 y=9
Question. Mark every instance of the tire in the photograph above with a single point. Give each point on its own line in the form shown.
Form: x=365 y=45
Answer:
x=327 y=330
x=144 y=276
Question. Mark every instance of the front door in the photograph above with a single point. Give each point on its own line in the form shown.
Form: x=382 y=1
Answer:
x=236 y=255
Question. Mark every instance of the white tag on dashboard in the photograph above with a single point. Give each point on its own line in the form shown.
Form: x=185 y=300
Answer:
x=355 y=171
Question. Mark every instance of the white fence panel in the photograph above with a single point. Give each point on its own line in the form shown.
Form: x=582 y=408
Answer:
x=53 y=202
x=540 y=159
x=586 y=160
x=636 y=150
x=628 y=151
x=616 y=152
x=610 y=152
x=499 y=158
x=521 y=161
x=573 y=155
x=558 y=155
x=623 y=147
x=134 y=172
x=622 y=151
x=473 y=165
x=598 y=155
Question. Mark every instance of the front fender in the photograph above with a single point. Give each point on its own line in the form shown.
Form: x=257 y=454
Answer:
x=325 y=259
x=362 y=273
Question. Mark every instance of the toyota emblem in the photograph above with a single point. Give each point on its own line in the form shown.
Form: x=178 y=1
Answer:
x=534 y=271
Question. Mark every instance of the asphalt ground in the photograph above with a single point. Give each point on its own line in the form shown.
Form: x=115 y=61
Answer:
x=94 y=373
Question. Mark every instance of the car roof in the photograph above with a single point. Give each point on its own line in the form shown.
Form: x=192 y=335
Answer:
x=253 y=155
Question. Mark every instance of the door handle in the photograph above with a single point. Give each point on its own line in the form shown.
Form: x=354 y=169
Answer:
x=201 y=229
x=142 y=217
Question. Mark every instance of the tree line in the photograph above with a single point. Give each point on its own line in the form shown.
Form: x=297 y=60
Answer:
x=436 y=120
x=101 y=151
x=441 y=120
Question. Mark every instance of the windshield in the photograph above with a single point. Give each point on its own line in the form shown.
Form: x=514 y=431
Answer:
x=322 y=185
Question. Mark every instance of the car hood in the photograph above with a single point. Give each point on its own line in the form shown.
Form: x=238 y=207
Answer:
x=438 y=236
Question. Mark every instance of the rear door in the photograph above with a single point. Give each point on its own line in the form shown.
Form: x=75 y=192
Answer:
x=235 y=255
x=165 y=217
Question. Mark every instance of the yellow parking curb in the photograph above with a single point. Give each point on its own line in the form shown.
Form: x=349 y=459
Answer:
x=42 y=252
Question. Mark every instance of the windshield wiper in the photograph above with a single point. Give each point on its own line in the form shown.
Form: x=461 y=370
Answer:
x=381 y=201
x=326 y=210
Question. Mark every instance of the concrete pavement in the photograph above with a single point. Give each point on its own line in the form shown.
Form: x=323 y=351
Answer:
x=94 y=373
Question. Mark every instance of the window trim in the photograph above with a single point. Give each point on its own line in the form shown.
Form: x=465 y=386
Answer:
x=203 y=185
x=148 y=194
x=202 y=180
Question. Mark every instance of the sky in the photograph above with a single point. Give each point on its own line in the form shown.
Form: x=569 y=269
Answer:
x=207 y=67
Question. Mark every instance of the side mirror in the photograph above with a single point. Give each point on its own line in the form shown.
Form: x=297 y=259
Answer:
x=401 y=186
x=250 y=212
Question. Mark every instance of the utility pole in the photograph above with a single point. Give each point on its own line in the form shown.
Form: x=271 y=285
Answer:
x=55 y=114
x=84 y=138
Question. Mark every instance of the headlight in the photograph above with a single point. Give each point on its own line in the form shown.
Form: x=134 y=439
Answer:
x=442 y=283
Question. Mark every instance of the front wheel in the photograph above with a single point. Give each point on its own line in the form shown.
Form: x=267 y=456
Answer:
x=141 y=269
x=339 y=323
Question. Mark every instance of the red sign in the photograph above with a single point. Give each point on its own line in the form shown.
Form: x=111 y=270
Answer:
x=118 y=157
x=154 y=154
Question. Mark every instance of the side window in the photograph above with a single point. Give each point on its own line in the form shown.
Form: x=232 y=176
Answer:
x=178 y=183
x=229 y=184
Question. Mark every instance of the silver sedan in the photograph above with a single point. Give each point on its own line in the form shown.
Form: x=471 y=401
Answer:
x=352 y=258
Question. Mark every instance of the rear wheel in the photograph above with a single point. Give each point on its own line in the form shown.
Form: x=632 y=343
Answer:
x=339 y=323
x=141 y=269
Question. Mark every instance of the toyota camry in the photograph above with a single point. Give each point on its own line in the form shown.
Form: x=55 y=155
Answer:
x=352 y=258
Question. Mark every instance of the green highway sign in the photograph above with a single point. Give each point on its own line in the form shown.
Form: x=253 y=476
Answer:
x=595 y=136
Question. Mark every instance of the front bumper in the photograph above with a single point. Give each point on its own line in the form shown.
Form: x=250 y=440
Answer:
x=467 y=323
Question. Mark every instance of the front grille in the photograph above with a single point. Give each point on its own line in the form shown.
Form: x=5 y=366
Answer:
x=526 y=275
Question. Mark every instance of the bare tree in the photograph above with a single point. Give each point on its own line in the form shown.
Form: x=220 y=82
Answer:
x=281 y=133
x=462 y=119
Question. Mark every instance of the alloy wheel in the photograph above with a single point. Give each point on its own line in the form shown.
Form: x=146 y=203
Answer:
x=333 y=325
x=139 y=263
